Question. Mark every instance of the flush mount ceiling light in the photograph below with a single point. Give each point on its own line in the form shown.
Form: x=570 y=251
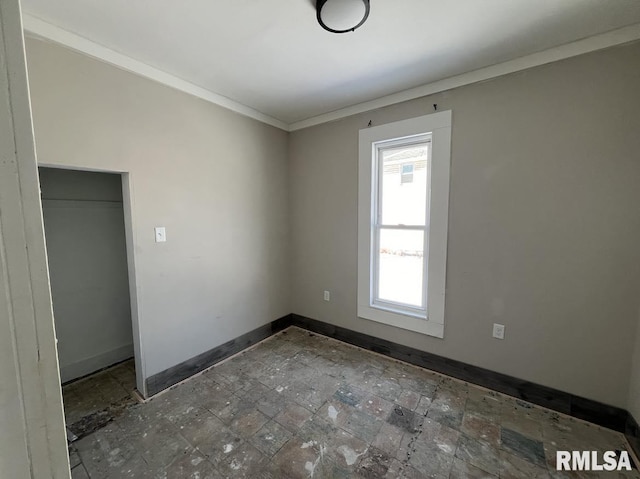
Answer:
x=341 y=16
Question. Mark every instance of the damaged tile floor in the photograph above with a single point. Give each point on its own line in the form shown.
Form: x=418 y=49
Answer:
x=93 y=401
x=300 y=405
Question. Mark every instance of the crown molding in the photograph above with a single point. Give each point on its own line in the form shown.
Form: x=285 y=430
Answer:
x=598 y=42
x=37 y=28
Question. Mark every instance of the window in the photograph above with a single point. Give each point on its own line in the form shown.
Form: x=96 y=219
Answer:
x=402 y=227
x=399 y=230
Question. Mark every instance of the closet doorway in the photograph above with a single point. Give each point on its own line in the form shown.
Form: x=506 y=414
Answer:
x=84 y=224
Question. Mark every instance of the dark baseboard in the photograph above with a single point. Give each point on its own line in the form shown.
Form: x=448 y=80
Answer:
x=593 y=411
x=167 y=378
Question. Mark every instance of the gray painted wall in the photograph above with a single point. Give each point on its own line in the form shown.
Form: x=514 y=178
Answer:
x=216 y=180
x=544 y=227
x=84 y=227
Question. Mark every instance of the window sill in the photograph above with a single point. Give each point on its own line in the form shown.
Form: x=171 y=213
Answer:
x=403 y=321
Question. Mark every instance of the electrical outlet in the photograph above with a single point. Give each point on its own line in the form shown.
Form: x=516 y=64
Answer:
x=498 y=331
x=327 y=296
x=161 y=234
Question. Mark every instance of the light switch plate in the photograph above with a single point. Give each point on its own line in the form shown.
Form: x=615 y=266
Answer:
x=161 y=234
x=498 y=331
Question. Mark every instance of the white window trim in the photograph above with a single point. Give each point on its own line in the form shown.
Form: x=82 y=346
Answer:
x=439 y=126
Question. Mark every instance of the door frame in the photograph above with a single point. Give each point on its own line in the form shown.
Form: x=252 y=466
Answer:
x=33 y=441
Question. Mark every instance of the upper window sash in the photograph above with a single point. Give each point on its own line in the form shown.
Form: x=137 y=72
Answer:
x=377 y=172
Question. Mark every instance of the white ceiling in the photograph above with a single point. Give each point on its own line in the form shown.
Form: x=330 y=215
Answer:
x=273 y=57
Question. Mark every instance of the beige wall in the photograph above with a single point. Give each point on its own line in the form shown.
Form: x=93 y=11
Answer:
x=216 y=180
x=544 y=223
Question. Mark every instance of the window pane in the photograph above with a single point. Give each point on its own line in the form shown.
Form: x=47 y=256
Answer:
x=404 y=185
x=400 y=267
